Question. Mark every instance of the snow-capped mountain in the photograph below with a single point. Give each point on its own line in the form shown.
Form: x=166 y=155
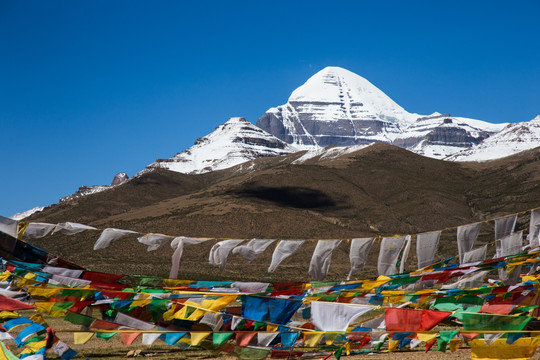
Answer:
x=84 y=190
x=439 y=135
x=514 y=138
x=338 y=107
x=230 y=144
x=27 y=213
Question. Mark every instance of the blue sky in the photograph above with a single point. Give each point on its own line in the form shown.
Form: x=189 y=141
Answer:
x=92 y=88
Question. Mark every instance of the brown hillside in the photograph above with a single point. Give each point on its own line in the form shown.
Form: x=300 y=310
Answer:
x=381 y=189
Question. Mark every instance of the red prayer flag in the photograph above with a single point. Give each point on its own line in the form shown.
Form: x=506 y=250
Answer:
x=9 y=304
x=243 y=339
x=406 y=320
x=128 y=338
x=499 y=309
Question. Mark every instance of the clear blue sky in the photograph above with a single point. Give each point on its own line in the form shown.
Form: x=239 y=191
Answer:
x=92 y=88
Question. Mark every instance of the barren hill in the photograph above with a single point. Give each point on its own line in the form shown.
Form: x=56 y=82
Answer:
x=380 y=189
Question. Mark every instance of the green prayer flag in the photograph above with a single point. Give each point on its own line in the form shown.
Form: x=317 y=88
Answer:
x=258 y=325
x=105 y=335
x=337 y=354
x=249 y=353
x=447 y=335
x=480 y=322
x=441 y=345
x=220 y=338
x=78 y=319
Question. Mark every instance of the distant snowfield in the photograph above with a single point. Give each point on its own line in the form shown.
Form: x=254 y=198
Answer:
x=513 y=139
x=27 y=213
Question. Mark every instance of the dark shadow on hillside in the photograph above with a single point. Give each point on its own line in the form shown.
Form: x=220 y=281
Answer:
x=297 y=197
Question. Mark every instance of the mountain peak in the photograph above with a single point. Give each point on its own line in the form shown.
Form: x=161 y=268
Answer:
x=336 y=107
x=232 y=143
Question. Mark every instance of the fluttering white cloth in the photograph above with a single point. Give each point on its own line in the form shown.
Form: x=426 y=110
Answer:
x=154 y=241
x=389 y=254
x=250 y=287
x=251 y=250
x=506 y=246
x=71 y=228
x=9 y=226
x=178 y=244
x=283 y=250
x=38 y=230
x=475 y=255
x=265 y=338
x=358 y=253
x=213 y=320
x=322 y=257
x=220 y=252
x=534 y=229
x=132 y=322
x=426 y=247
x=69 y=281
x=331 y=316
x=73 y=273
x=505 y=226
x=109 y=235
x=466 y=237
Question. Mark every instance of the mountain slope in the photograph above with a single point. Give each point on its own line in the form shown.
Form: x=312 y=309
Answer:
x=231 y=143
x=514 y=138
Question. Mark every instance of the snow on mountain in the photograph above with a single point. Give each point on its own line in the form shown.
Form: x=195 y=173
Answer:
x=27 y=213
x=328 y=153
x=84 y=190
x=230 y=144
x=440 y=135
x=512 y=139
x=336 y=107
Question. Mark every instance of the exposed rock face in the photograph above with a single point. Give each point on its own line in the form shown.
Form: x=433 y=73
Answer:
x=119 y=179
x=230 y=144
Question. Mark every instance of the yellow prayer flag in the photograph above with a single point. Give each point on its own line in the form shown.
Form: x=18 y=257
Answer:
x=454 y=344
x=42 y=291
x=4 y=315
x=521 y=349
x=393 y=345
x=198 y=337
x=37 y=318
x=347 y=347
x=311 y=339
x=37 y=345
x=426 y=337
x=80 y=338
x=271 y=328
x=330 y=337
x=5 y=275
